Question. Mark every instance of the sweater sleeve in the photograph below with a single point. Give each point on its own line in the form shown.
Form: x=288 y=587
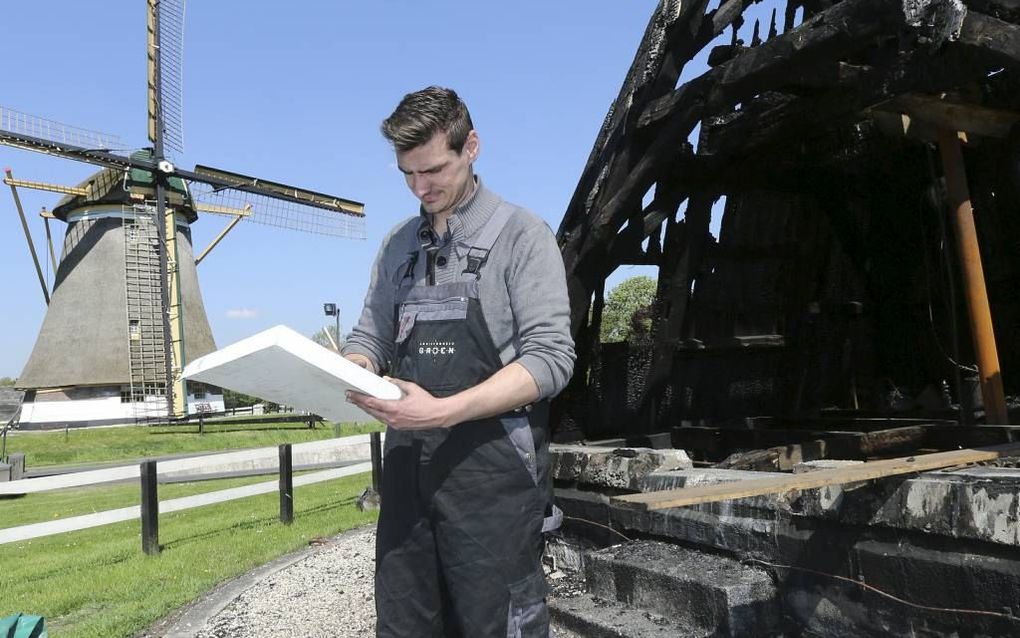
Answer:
x=373 y=334
x=541 y=310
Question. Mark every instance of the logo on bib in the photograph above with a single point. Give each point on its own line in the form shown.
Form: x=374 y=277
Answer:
x=437 y=348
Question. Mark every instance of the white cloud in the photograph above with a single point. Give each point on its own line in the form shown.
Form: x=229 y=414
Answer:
x=242 y=313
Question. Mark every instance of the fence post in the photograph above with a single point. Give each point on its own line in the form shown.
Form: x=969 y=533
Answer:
x=150 y=509
x=286 y=485
x=377 y=468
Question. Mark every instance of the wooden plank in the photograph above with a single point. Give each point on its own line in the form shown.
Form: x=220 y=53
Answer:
x=811 y=480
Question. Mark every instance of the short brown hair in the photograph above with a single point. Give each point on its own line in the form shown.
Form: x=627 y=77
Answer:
x=422 y=114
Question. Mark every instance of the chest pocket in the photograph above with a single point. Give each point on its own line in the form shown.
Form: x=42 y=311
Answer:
x=404 y=276
x=420 y=311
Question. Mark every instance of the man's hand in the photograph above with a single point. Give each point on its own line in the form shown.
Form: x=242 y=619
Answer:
x=360 y=360
x=416 y=410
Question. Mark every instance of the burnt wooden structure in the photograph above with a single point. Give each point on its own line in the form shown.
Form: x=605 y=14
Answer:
x=833 y=287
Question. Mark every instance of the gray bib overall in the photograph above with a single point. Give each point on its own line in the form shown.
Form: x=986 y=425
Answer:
x=459 y=543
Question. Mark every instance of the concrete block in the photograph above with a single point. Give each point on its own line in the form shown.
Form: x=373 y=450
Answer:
x=694 y=589
x=567 y=553
x=622 y=468
x=5 y=472
x=592 y=617
x=973 y=504
x=948 y=579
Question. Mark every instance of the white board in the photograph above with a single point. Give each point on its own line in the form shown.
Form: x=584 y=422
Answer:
x=285 y=367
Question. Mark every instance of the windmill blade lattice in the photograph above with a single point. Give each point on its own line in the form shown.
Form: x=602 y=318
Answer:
x=170 y=51
x=18 y=123
x=272 y=211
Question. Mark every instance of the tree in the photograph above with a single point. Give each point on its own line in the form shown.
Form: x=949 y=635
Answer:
x=233 y=399
x=6 y=382
x=322 y=337
x=627 y=312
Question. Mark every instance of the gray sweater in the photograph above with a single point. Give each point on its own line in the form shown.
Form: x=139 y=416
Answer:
x=526 y=307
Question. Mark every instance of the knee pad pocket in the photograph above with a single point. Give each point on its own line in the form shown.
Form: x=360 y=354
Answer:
x=528 y=616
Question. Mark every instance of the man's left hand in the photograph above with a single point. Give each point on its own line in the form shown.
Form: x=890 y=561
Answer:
x=416 y=410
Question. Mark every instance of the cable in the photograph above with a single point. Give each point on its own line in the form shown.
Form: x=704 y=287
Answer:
x=928 y=282
x=974 y=612
x=584 y=520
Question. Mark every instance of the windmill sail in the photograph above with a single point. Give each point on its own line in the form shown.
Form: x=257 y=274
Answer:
x=137 y=213
x=32 y=132
x=166 y=73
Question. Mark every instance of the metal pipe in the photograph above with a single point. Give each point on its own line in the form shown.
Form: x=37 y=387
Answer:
x=973 y=278
x=49 y=242
x=28 y=238
x=219 y=238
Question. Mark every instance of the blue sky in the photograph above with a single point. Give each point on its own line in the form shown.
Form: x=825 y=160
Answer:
x=296 y=96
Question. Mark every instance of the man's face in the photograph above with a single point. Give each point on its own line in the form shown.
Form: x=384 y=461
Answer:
x=439 y=177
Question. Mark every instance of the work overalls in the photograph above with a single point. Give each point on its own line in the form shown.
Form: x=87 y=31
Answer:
x=459 y=544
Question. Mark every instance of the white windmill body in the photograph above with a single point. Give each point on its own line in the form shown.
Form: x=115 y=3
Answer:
x=99 y=355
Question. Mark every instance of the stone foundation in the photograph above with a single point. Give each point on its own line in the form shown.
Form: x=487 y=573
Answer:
x=937 y=542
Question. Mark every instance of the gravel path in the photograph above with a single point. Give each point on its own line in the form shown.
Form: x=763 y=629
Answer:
x=329 y=594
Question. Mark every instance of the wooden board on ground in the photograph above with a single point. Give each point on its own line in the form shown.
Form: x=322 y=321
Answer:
x=821 y=478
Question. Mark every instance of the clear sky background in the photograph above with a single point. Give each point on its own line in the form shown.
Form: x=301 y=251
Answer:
x=294 y=92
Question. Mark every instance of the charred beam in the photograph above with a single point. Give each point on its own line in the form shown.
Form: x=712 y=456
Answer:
x=999 y=38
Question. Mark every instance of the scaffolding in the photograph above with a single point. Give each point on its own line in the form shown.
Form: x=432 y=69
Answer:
x=146 y=347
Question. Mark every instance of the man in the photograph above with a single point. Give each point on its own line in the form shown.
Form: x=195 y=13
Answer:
x=467 y=311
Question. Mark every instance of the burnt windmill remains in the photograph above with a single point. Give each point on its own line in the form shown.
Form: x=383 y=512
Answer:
x=845 y=144
x=126 y=313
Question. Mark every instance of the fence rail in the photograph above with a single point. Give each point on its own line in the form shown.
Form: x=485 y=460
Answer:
x=86 y=521
x=149 y=509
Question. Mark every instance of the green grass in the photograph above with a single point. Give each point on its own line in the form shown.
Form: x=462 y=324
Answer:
x=97 y=445
x=97 y=583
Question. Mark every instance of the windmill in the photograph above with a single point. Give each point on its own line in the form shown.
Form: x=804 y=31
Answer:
x=126 y=313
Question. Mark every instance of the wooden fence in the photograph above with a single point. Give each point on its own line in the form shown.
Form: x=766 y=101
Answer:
x=150 y=508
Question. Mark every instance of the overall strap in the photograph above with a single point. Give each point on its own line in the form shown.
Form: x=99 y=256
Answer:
x=486 y=238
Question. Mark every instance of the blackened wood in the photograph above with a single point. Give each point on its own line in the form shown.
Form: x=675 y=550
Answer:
x=842 y=447
x=998 y=37
x=690 y=32
x=767 y=141
x=742 y=77
x=286 y=485
x=955 y=114
x=713 y=442
x=150 y=508
x=649 y=57
x=829 y=74
x=949 y=436
x=847 y=27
